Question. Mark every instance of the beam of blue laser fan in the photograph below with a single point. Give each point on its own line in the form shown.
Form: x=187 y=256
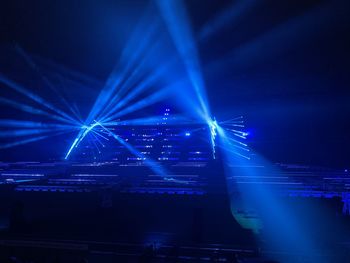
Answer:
x=94 y=133
x=225 y=18
x=149 y=162
x=155 y=97
x=72 y=146
x=152 y=120
x=26 y=108
x=141 y=87
x=6 y=123
x=272 y=212
x=26 y=132
x=184 y=41
x=30 y=140
x=147 y=83
x=99 y=134
x=92 y=147
x=94 y=142
x=237 y=131
x=232 y=123
x=116 y=78
x=11 y=84
x=104 y=132
x=44 y=78
x=72 y=106
x=87 y=130
x=69 y=74
x=230 y=150
x=285 y=36
x=235 y=125
x=78 y=113
x=81 y=135
x=233 y=119
x=238 y=135
x=230 y=145
x=236 y=141
x=239 y=147
x=131 y=79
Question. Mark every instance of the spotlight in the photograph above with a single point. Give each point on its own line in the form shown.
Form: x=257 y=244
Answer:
x=187 y=134
x=83 y=132
x=213 y=126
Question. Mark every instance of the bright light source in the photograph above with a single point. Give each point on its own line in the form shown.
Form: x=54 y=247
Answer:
x=213 y=126
x=187 y=134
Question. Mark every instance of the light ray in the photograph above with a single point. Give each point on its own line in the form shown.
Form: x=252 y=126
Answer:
x=129 y=81
x=7 y=123
x=99 y=134
x=141 y=87
x=151 y=99
x=116 y=78
x=11 y=84
x=155 y=167
x=29 y=109
x=26 y=132
x=82 y=133
x=225 y=18
x=30 y=140
x=184 y=41
x=152 y=120
x=44 y=78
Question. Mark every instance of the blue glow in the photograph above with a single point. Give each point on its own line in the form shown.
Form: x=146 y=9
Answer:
x=152 y=120
x=153 y=98
x=30 y=140
x=34 y=97
x=159 y=170
x=31 y=124
x=26 y=132
x=71 y=148
x=226 y=18
x=132 y=51
x=184 y=41
x=83 y=132
x=116 y=100
x=26 y=108
x=187 y=134
x=48 y=83
x=213 y=126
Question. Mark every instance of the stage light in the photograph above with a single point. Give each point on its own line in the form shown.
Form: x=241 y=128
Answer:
x=84 y=130
x=213 y=126
x=187 y=134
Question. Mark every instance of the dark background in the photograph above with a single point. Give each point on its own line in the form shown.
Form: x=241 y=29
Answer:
x=286 y=64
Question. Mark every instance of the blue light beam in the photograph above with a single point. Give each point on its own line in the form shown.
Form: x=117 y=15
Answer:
x=11 y=84
x=175 y=16
x=44 y=78
x=155 y=167
x=32 y=110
